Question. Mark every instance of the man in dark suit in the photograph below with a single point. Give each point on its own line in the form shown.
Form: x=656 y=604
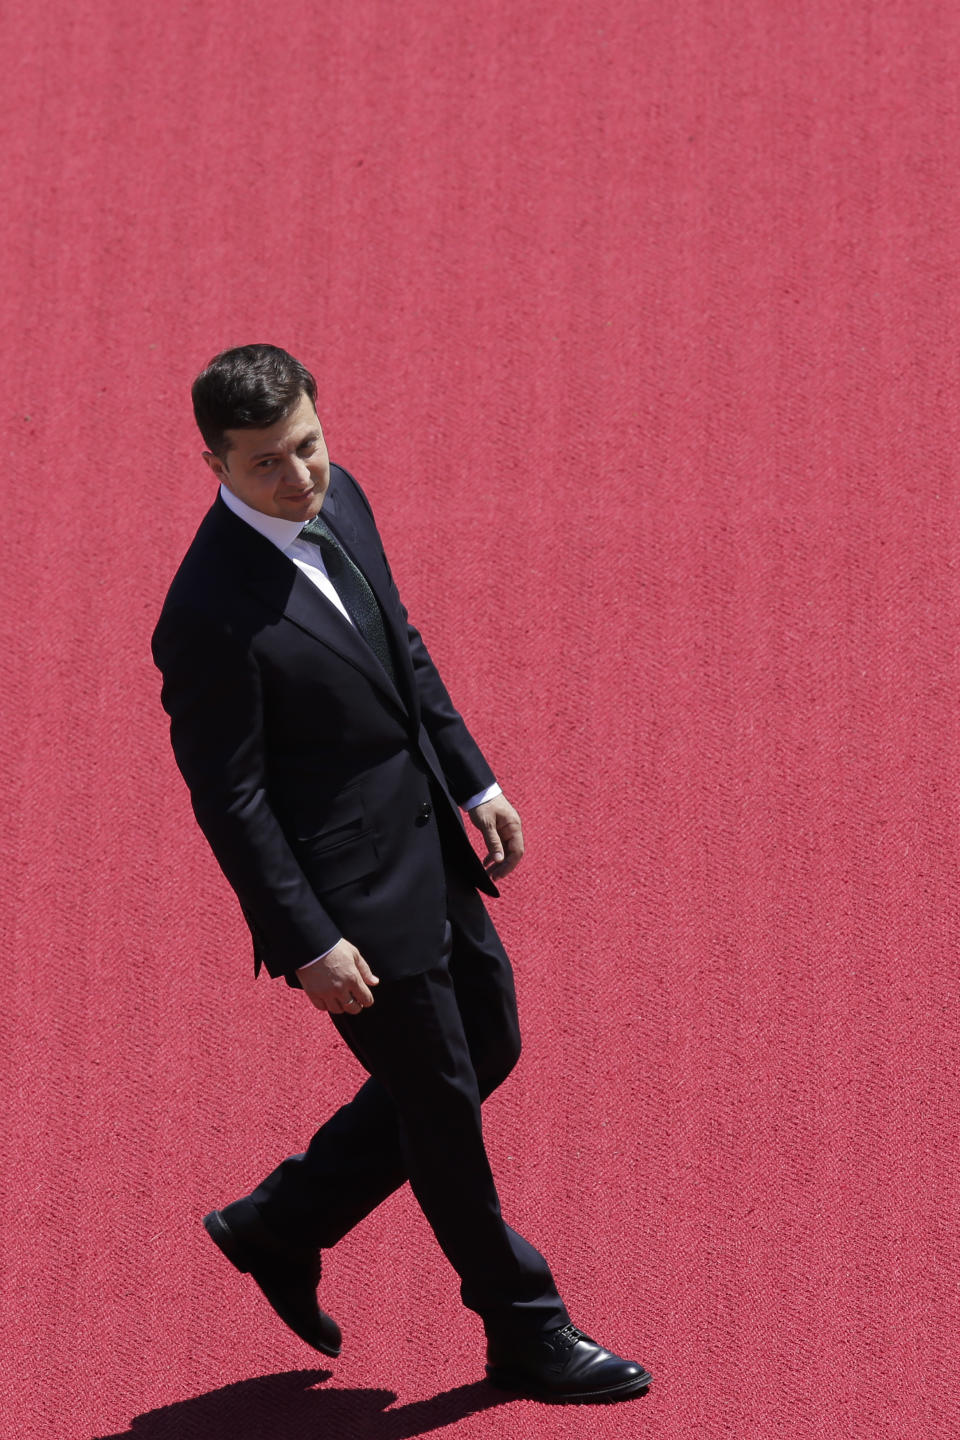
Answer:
x=326 y=764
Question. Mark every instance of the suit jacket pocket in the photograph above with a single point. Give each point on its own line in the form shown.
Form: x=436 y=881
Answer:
x=339 y=857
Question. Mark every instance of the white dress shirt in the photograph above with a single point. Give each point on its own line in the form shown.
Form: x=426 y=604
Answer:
x=285 y=534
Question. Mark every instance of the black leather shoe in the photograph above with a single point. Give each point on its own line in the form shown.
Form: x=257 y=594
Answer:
x=566 y=1366
x=288 y=1281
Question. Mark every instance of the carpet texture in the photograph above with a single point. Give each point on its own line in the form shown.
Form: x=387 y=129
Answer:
x=638 y=322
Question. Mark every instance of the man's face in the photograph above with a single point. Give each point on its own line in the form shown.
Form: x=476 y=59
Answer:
x=283 y=470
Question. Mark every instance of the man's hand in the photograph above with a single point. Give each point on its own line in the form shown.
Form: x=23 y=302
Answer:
x=499 y=824
x=340 y=982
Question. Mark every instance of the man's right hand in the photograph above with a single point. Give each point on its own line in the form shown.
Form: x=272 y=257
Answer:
x=340 y=982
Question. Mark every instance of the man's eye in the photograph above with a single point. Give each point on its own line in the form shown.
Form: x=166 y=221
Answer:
x=264 y=464
x=307 y=448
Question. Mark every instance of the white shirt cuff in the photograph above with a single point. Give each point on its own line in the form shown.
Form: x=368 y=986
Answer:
x=491 y=793
x=316 y=958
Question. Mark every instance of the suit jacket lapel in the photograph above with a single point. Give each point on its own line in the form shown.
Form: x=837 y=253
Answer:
x=366 y=559
x=280 y=585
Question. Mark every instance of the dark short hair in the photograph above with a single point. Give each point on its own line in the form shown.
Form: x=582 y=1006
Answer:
x=248 y=388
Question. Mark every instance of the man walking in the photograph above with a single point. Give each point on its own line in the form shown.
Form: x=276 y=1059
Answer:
x=326 y=763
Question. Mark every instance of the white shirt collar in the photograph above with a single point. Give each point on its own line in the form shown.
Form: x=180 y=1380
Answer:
x=274 y=528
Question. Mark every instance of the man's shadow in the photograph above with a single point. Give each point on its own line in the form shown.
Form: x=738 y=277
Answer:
x=287 y=1405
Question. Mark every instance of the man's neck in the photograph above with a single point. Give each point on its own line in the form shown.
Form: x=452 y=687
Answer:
x=274 y=528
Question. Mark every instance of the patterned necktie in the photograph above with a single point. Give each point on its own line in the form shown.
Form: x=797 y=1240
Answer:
x=354 y=590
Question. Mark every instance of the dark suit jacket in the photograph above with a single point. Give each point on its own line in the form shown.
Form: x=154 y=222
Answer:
x=327 y=793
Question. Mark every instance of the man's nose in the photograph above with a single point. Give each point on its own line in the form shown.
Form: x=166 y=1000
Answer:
x=300 y=472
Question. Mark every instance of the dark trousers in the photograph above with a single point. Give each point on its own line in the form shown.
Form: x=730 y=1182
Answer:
x=435 y=1045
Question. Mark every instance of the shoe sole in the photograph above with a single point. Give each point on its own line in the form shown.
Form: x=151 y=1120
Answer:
x=227 y=1243
x=504 y=1380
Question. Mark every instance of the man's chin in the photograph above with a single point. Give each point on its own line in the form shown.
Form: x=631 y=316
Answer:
x=302 y=509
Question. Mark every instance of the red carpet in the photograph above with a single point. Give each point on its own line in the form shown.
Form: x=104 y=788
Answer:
x=639 y=323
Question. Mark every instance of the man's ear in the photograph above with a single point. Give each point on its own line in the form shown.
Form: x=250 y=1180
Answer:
x=217 y=466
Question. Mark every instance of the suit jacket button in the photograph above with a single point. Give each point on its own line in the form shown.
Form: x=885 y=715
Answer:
x=424 y=813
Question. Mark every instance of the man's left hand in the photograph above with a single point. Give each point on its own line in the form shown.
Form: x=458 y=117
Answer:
x=499 y=824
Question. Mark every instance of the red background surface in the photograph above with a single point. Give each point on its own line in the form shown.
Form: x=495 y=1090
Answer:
x=638 y=321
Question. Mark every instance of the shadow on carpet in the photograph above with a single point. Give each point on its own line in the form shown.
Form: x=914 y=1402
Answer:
x=288 y=1405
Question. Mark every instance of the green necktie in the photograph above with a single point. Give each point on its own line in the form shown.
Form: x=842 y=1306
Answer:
x=354 y=590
